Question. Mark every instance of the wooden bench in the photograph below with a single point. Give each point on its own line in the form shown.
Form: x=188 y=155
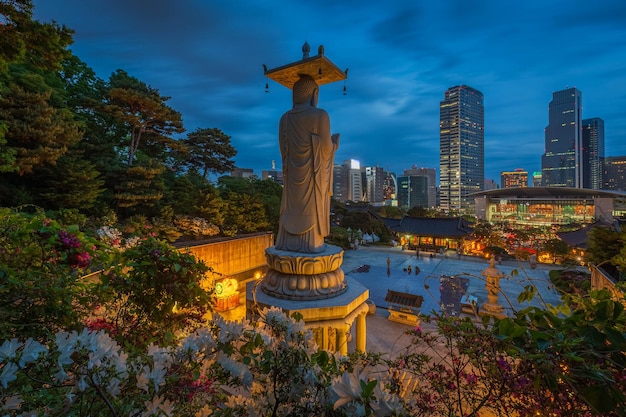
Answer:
x=404 y=307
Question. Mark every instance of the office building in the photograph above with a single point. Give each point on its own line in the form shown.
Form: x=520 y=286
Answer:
x=536 y=181
x=562 y=162
x=373 y=181
x=593 y=152
x=431 y=186
x=273 y=174
x=390 y=189
x=514 y=179
x=347 y=181
x=614 y=173
x=461 y=148
x=243 y=173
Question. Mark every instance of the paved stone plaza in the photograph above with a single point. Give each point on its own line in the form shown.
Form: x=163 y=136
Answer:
x=426 y=283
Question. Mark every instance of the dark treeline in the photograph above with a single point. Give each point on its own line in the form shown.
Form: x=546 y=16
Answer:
x=111 y=150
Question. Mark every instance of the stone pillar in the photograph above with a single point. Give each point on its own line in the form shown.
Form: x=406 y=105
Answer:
x=342 y=339
x=361 y=332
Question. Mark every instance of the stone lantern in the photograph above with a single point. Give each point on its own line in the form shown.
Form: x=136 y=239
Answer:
x=492 y=278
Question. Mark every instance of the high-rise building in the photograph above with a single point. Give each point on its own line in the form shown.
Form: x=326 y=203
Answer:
x=431 y=184
x=461 y=148
x=614 y=173
x=593 y=152
x=536 y=181
x=347 y=181
x=514 y=179
x=412 y=191
x=390 y=189
x=562 y=162
x=372 y=180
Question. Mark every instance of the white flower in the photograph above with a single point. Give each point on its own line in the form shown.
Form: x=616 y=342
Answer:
x=82 y=385
x=12 y=403
x=31 y=351
x=8 y=349
x=61 y=375
x=386 y=403
x=236 y=369
x=157 y=405
x=205 y=411
x=8 y=374
x=65 y=345
x=113 y=387
x=348 y=388
x=229 y=330
x=155 y=375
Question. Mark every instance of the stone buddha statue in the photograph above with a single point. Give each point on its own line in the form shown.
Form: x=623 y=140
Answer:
x=307 y=149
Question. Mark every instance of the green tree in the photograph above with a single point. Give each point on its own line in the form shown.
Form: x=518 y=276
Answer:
x=209 y=151
x=73 y=183
x=572 y=355
x=143 y=115
x=244 y=214
x=556 y=247
x=140 y=188
x=155 y=291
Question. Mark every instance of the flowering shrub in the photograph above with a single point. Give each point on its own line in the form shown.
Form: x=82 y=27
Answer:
x=196 y=227
x=41 y=265
x=268 y=368
x=153 y=293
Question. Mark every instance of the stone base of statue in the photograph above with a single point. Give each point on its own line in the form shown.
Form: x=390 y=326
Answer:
x=304 y=276
x=332 y=320
x=489 y=309
x=313 y=285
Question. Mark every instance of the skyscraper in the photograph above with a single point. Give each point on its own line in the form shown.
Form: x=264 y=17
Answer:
x=562 y=162
x=372 y=182
x=461 y=148
x=593 y=152
x=614 y=173
x=347 y=181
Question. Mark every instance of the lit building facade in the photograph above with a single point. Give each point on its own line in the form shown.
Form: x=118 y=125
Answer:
x=514 y=179
x=536 y=181
x=390 y=189
x=547 y=206
x=561 y=164
x=614 y=173
x=461 y=148
x=593 y=152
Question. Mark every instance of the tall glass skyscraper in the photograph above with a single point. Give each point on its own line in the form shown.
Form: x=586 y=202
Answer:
x=562 y=162
x=461 y=148
x=593 y=152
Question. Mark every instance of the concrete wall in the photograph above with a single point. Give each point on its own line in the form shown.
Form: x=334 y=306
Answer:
x=240 y=258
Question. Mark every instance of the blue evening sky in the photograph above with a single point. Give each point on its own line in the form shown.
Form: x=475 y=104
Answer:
x=208 y=56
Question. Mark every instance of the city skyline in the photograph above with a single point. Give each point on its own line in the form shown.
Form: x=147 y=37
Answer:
x=402 y=58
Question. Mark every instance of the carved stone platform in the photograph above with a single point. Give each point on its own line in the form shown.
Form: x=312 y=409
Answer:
x=304 y=276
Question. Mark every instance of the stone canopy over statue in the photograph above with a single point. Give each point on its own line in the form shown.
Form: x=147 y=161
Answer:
x=302 y=265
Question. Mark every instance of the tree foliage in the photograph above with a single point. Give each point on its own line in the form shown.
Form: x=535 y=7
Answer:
x=143 y=114
x=209 y=151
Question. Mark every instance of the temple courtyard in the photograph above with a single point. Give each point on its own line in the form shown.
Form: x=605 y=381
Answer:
x=368 y=266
